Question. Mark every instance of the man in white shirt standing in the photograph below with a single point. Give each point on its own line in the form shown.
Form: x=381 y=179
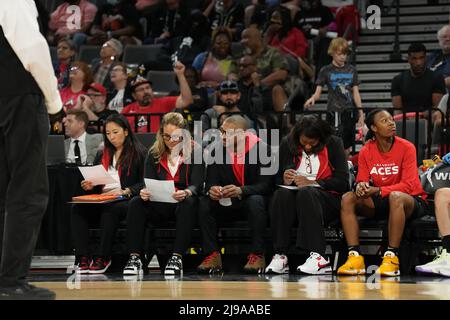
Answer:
x=28 y=93
x=81 y=147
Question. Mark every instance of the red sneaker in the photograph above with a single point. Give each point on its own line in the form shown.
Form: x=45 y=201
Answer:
x=83 y=264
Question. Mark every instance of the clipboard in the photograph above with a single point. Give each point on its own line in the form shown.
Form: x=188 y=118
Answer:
x=96 y=199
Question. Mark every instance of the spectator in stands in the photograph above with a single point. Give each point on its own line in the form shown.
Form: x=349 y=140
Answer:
x=258 y=13
x=123 y=158
x=215 y=65
x=441 y=263
x=439 y=61
x=193 y=40
x=117 y=19
x=199 y=93
x=121 y=95
x=170 y=20
x=315 y=16
x=270 y=64
x=80 y=77
x=147 y=103
x=80 y=147
x=94 y=103
x=109 y=53
x=169 y=159
x=313 y=160
x=66 y=52
x=417 y=89
x=226 y=13
x=237 y=189
x=62 y=23
x=281 y=34
x=342 y=81
x=228 y=97
x=255 y=97
x=388 y=187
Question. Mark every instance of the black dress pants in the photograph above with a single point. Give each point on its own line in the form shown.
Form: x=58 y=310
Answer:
x=140 y=212
x=84 y=215
x=310 y=209
x=24 y=128
x=251 y=208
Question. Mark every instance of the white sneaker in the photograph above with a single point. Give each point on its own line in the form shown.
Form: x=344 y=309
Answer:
x=440 y=265
x=133 y=266
x=279 y=264
x=315 y=264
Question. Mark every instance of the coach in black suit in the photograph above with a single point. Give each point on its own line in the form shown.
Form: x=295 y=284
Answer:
x=28 y=90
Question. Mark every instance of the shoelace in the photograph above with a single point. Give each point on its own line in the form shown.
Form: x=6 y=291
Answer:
x=99 y=261
x=174 y=261
x=133 y=262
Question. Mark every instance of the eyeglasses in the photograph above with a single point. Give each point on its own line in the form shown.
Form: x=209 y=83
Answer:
x=94 y=95
x=308 y=164
x=74 y=69
x=174 y=137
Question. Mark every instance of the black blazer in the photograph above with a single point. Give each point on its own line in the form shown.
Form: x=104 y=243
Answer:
x=130 y=177
x=338 y=182
x=254 y=182
x=190 y=176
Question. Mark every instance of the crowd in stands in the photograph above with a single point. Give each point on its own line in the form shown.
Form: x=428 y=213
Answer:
x=254 y=60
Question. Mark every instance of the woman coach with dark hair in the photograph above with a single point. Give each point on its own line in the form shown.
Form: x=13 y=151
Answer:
x=123 y=158
x=315 y=172
x=388 y=186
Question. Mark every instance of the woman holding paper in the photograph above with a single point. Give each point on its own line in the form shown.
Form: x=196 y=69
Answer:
x=313 y=174
x=123 y=158
x=169 y=159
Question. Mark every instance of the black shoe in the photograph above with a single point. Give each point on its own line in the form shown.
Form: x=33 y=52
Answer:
x=26 y=292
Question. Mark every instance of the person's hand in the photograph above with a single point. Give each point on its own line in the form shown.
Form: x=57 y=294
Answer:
x=301 y=181
x=219 y=109
x=87 y=185
x=215 y=193
x=179 y=68
x=309 y=103
x=446 y=158
x=362 y=189
x=231 y=191
x=256 y=79
x=114 y=192
x=180 y=195
x=288 y=176
x=144 y=194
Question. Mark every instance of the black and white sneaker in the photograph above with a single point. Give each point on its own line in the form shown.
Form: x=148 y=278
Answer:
x=174 y=266
x=133 y=266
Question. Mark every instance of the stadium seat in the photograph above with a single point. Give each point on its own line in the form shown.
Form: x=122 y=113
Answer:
x=88 y=53
x=163 y=82
x=137 y=54
x=146 y=138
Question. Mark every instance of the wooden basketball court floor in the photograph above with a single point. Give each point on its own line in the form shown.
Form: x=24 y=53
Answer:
x=241 y=287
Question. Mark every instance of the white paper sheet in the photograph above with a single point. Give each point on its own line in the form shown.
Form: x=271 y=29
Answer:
x=97 y=175
x=160 y=190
